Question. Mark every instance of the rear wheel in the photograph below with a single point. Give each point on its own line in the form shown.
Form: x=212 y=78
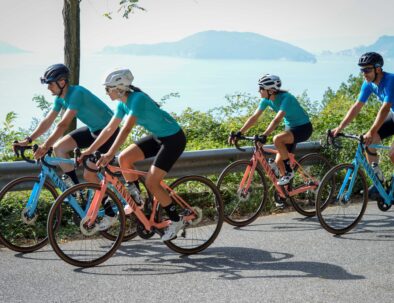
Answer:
x=204 y=198
x=346 y=205
x=240 y=208
x=23 y=229
x=73 y=240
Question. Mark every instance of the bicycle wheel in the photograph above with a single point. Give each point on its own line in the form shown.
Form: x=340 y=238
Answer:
x=75 y=242
x=313 y=168
x=19 y=230
x=241 y=209
x=203 y=196
x=346 y=207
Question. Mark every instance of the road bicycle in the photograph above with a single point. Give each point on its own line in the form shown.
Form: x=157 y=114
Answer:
x=347 y=184
x=196 y=197
x=244 y=189
x=25 y=203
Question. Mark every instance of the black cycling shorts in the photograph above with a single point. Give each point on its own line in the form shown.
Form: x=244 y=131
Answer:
x=300 y=133
x=166 y=149
x=387 y=128
x=84 y=138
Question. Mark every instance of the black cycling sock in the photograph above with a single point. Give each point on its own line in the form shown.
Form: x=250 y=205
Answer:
x=287 y=165
x=108 y=207
x=73 y=175
x=172 y=213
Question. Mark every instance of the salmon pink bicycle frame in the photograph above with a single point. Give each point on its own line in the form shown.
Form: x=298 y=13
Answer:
x=111 y=174
x=259 y=157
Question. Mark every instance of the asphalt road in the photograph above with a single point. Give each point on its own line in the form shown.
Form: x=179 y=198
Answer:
x=279 y=258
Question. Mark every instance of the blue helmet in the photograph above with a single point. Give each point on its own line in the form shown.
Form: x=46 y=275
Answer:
x=54 y=73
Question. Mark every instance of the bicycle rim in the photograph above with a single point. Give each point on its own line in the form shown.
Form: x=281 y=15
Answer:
x=70 y=241
x=20 y=230
x=242 y=208
x=203 y=196
x=345 y=208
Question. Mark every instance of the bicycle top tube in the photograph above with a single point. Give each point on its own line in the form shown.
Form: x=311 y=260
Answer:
x=56 y=161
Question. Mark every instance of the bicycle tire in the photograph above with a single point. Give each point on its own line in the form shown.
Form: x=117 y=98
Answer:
x=241 y=211
x=340 y=216
x=70 y=242
x=201 y=194
x=315 y=165
x=17 y=232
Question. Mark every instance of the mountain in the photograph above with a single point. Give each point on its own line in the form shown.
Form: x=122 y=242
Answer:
x=6 y=48
x=219 y=45
x=384 y=46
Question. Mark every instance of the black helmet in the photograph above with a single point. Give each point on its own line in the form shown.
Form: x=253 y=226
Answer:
x=54 y=73
x=371 y=58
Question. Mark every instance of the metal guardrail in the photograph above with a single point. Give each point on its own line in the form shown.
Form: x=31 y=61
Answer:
x=202 y=162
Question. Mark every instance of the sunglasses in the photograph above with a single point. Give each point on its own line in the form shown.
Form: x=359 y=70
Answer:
x=110 y=89
x=366 y=70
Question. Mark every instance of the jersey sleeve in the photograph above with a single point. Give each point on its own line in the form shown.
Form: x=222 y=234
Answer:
x=57 y=105
x=263 y=104
x=75 y=100
x=365 y=92
x=390 y=92
x=120 y=111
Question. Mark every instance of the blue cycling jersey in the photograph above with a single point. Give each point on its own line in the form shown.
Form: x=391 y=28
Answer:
x=384 y=91
x=295 y=115
x=148 y=114
x=89 y=109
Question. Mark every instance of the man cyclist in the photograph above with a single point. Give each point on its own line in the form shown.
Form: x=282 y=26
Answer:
x=381 y=84
x=75 y=101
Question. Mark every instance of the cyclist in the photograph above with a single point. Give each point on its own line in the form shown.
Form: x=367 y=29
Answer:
x=298 y=127
x=166 y=142
x=382 y=85
x=75 y=101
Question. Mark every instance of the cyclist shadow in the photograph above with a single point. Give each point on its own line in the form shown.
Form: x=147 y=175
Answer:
x=380 y=226
x=230 y=263
x=291 y=225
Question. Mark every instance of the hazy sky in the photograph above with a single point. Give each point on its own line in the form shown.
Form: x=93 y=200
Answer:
x=314 y=25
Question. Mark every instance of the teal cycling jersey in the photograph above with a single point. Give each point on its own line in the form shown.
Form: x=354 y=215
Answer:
x=295 y=115
x=90 y=110
x=384 y=91
x=148 y=114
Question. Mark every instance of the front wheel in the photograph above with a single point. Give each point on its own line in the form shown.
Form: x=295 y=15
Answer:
x=311 y=170
x=348 y=201
x=242 y=205
x=76 y=242
x=22 y=227
x=204 y=198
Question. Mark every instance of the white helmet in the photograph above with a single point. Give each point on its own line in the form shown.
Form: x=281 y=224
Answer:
x=120 y=78
x=270 y=82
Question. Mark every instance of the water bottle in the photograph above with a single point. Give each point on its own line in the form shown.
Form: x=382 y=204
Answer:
x=273 y=166
x=67 y=180
x=134 y=192
x=378 y=172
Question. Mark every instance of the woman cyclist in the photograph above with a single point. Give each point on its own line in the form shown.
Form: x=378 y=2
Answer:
x=166 y=142
x=298 y=127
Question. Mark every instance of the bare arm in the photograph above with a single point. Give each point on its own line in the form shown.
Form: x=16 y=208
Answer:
x=351 y=114
x=105 y=134
x=379 y=120
x=251 y=121
x=274 y=123
x=61 y=127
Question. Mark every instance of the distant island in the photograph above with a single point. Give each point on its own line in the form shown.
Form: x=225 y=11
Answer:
x=384 y=46
x=219 y=45
x=6 y=48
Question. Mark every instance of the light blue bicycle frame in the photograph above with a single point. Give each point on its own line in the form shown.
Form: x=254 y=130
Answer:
x=48 y=172
x=352 y=174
